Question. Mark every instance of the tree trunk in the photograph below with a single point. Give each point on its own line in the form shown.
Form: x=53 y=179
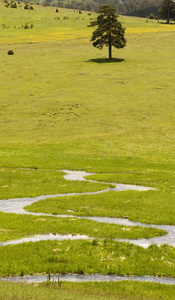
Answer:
x=168 y=13
x=110 y=47
x=168 y=18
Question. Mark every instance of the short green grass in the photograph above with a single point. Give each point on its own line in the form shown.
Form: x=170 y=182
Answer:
x=113 y=290
x=152 y=207
x=87 y=257
x=149 y=207
x=60 y=107
x=14 y=226
x=15 y=183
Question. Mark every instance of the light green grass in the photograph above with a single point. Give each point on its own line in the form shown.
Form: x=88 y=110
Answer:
x=89 y=257
x=58 y=102
x=64 y=106
x=154 y=207
x=47 y=25
x=113 y=290
x=148 y=207
x=14 y=226
x=14 y=183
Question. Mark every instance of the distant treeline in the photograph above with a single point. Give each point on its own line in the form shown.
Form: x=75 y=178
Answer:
x=139 y=8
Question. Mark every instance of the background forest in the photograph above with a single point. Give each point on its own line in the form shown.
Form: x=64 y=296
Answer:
x=140 y=8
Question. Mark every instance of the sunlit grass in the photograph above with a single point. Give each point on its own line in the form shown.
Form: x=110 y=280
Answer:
x=90 y=290
x=65 y=106
x=13 y=227
x=87 y=257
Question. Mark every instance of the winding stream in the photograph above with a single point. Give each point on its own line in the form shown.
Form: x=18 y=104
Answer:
x=17 y=205
x=85 y=278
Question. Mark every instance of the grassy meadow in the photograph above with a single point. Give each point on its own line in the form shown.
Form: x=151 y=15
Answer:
x=119 y=290
x=64 y=105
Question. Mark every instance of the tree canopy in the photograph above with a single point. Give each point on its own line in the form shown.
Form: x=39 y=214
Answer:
x=109 y=31
x=167 y=10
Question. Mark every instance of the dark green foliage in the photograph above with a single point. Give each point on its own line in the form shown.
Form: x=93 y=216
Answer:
x=140 y=8
x=26 y=26
x=94 y=243
x=167 y=10
x=151 y=16
x=6 y=3
x=13 y=4
x=109 y=31
x=10 y=52
x=27 y=6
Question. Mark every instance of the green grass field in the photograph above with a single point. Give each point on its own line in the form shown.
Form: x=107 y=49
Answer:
x=119 y=291
x=63 y=105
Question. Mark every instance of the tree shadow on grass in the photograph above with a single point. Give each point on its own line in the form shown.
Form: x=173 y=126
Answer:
x=106 y=60
x=165 y=23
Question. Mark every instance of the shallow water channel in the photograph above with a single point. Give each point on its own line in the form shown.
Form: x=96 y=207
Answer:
x=17 y=206
x=86 y=278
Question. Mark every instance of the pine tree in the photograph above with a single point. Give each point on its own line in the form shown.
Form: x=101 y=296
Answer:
x=109 y=31
x=167 y=10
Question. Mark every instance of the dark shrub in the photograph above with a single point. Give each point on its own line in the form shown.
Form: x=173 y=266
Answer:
x=151 y=16
x=26 y=26
x=10 y=52
x=94 y=243
x=13 y=4
x=27 y=6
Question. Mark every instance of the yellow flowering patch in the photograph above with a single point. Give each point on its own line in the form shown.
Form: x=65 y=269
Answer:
x=161 y=28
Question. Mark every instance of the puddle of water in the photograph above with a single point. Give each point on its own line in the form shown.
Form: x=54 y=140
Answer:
x=76 y=175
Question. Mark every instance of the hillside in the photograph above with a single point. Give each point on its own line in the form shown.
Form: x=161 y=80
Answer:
x=87 y=166
x=140 y=8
